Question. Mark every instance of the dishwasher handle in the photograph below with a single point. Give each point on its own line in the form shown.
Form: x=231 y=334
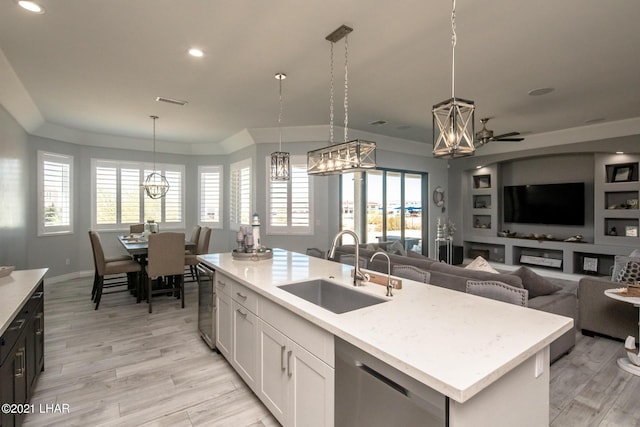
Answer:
x=377 y=375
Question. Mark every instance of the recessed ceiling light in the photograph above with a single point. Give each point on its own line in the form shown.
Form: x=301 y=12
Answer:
x=540 y=91
x=198 y=53
x=171 y=100
x=619 y=152
x=31 y=6
x=479 y=167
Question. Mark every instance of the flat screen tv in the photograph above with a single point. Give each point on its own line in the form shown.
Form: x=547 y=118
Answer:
x=552 y=204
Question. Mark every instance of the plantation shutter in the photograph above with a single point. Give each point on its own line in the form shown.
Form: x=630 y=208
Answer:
x=55 y=193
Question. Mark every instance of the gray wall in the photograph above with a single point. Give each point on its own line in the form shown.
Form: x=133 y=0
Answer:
x=15 y=175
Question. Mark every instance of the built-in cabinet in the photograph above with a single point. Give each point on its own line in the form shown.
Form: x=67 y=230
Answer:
x=286 y=360
x=616 y=222
x=22 y=356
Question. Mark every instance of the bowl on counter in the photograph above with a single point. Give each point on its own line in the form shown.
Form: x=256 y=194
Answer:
x=6 y=270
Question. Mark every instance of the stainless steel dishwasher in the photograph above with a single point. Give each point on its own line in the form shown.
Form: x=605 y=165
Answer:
x=369 y=392
x=207 y=305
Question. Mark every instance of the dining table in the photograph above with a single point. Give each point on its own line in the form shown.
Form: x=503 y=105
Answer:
x=137 y=245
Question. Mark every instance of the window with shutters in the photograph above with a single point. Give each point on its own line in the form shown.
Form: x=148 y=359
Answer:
x=210 y=195
x=118 y=198
x=240 y=194
x=55 y=194
x=289 y=207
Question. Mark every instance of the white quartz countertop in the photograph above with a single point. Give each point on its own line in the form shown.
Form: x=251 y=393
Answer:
x=15 y=290
x=455 y=343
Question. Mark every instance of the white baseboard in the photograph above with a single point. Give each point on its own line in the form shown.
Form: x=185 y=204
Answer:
x=69 y=276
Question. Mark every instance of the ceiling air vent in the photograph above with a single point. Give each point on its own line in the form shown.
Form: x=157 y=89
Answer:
x=171 y=100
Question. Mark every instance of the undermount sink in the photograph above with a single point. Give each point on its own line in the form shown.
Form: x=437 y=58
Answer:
x=328 y=295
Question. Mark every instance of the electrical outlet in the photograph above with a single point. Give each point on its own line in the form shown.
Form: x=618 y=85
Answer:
x=68 y=261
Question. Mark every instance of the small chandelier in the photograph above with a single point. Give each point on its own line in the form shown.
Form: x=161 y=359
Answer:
x=280 y=160
x=155 y=185
x=453 y=119
x=349 y=156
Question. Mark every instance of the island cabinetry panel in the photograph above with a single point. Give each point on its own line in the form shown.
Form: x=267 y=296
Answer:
x=245 y=343
x=295 y=385
x=224 y=320
x=22 y=355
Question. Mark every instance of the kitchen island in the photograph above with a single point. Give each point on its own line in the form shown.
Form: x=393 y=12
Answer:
x=489 y=359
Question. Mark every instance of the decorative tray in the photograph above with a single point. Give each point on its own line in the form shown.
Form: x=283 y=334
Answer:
x=6 y=270
x=252 y=256
x=631 y=291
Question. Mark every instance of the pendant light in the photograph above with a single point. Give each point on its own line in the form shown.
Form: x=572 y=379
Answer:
x=280 y=160
x=155 y=185
x=349 y=156
x=453 y=119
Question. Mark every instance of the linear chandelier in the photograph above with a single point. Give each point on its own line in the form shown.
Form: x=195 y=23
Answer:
x=349 y=156
x=155 y=185
x=280 y=165
x=453 y=119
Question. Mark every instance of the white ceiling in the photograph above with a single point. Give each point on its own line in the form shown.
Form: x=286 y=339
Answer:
x=97 y=66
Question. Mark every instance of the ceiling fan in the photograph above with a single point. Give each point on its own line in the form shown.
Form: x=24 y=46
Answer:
x=486 y=135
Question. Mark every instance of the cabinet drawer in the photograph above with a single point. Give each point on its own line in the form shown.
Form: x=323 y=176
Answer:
x=11 y=335
x=245 y=296
x=223 y=284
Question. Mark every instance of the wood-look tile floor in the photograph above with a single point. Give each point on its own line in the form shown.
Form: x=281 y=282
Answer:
x=120 y=366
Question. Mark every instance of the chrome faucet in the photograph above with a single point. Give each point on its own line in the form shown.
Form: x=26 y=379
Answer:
x=358 y=276
x=389 y=287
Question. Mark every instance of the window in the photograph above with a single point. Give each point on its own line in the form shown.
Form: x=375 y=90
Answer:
x=385 y=206
x=240 y=194
x=210 y=195
x=55 y=180
x=289 y=202
x=119 y=200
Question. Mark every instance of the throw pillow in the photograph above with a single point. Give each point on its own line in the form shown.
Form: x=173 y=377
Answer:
x=481 y=264
x=620 y=262
x=397 y=248
x=630 y=273
x=535 y=283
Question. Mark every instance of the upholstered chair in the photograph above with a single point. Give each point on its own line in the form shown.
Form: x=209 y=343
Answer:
x=165 y=263
x=411 y=272
x=136 y=228
x=110 y=267
x=498 y=291
x=191 y=260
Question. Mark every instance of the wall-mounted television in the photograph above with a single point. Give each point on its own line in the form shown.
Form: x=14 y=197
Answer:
x=552 y=204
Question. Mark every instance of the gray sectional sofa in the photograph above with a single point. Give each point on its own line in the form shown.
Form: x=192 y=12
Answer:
x=602 y=315
x=455 y=278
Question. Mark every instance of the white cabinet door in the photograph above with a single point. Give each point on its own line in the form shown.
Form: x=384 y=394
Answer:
x=224 y=324
x=245 y=343
x=311 y=389
x=273 y=380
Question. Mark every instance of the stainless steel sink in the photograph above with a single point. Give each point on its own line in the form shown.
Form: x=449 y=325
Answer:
x=330 y=296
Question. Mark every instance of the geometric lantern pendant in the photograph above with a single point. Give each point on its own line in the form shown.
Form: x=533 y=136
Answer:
x=280 y=166
x=453 y=128
x=156 y=185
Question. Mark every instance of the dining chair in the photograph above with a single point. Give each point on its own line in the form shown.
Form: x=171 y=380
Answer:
x=193 y=238
x=136 y=228
x=108 y=282
x=191 y=260
x=411 y=272
x=112 y=266
x=165 y=263
x=498 y=291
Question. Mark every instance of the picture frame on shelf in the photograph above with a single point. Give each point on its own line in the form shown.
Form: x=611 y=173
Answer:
x=589 y=265
x=482 y=181
x=631 y=231
x=622 y=173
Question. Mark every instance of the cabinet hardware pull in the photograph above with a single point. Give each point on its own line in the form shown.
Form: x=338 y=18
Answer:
x=19 y=324
x=37 y=295
x=241 y=312
x=40 y=329
x=282 y=358
x=289 y=363
x=221 y=283
x=20 y=371
x=241 y=296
